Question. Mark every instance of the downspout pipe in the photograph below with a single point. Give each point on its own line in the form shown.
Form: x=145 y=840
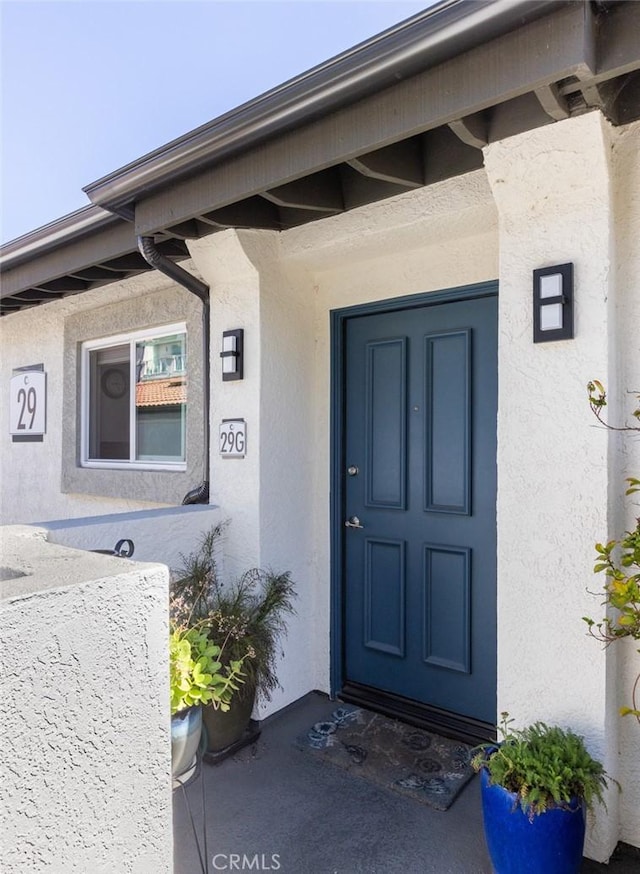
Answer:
x=148 y=250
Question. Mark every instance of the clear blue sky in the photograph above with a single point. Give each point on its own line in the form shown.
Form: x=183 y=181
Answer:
x=89 y=86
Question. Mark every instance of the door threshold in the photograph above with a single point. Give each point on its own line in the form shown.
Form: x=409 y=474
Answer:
x=453 y=725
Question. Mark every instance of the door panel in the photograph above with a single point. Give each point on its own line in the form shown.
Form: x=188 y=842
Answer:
x=420 y=440
x=448 y=419
x=447 y=590
x=385 y=423
x=384 y=596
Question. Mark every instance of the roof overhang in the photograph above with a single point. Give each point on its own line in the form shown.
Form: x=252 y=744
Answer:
x=86 y=249
x=408 y=108
x=421 y=42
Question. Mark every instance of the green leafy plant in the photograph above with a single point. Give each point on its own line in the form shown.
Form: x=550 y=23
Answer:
x=248 y=618
x=598 y=401
x=619 y=560
x=545 y=766
x=196 y=672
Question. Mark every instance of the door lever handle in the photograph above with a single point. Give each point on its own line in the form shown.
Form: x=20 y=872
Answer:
x=353 y=522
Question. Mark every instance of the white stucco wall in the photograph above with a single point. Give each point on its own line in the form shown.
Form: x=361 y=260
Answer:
x=286 y=435
x=440 y=237
x=235 y=303
x=626 y=204
x=31 y=473
x=534 y=206
x=265 y=495
x=86 y=744
x=281 y=288
x=158 y=535
x=552 y=189
x=565 y=192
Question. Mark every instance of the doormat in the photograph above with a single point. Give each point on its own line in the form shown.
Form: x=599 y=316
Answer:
x=412 y=762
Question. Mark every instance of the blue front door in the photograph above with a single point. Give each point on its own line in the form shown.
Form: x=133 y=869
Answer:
x=419 y=501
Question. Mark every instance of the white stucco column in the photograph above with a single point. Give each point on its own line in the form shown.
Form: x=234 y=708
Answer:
x=267 y=496
x=235 y=303
x=552 y=190
x=626 y=199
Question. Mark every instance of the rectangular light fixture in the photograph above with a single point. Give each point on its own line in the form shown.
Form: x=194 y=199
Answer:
x=232 y=354
x=553 y=303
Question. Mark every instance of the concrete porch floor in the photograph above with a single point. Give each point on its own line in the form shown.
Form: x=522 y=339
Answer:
x=300 y=816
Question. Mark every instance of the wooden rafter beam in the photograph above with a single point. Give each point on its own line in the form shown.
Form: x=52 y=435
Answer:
x=94 y=274
x=552 y=101
x=192 y=229
x=172 y=249
x=399 y=163
x=445 y=155
x=291 y=217
x=320 y=192
x=516 y=116
x=35 y=295
x=64 y=284
x=471 y=130
x=126 y=263
x=360 y=190
x=254 y=212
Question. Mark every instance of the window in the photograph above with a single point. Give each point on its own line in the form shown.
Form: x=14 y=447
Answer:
x=134 y=400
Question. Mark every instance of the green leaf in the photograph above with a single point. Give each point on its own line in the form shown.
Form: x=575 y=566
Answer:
x=626 y=620
x=629 y=711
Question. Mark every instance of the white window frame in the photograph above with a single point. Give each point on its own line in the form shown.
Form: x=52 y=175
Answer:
x=130 y=337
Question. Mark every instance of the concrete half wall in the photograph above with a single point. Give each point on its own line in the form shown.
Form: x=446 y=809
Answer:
x=86 y=741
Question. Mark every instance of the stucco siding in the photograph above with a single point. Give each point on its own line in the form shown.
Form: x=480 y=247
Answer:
x=43 y=480
x=168 y=304
x=626 y=204
x=281 y=289
x=534 y=206
x=425 y=250
x=566 y=192
x=159 y=535
x=552 y=188
x=86 y=747
x=235 y=303
x=266 y=495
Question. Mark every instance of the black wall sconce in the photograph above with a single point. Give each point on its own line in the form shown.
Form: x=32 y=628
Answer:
x=232 y=354
x=553 y=303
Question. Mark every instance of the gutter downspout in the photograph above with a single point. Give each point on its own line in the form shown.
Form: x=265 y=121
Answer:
x=148 y=250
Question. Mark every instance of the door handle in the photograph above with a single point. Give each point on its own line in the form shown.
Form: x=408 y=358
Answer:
x=353 y=522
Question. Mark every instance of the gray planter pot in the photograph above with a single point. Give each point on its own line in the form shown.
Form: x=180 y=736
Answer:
x=186 y=731
x=227 y=728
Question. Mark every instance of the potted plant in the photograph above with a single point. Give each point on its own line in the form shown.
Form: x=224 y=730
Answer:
x=536 y=785
x=247 y=620
x=619 y=560
x=197 y=676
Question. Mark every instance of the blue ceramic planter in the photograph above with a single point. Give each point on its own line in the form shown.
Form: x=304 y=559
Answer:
x=551 y=843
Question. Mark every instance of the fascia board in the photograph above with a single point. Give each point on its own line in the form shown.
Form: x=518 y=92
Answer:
x=486 y=75
x=70 y=255
x=427 y=39
x=87 y=220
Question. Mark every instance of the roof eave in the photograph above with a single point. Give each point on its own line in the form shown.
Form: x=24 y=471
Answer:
x=86 y=220
x=426 y=39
